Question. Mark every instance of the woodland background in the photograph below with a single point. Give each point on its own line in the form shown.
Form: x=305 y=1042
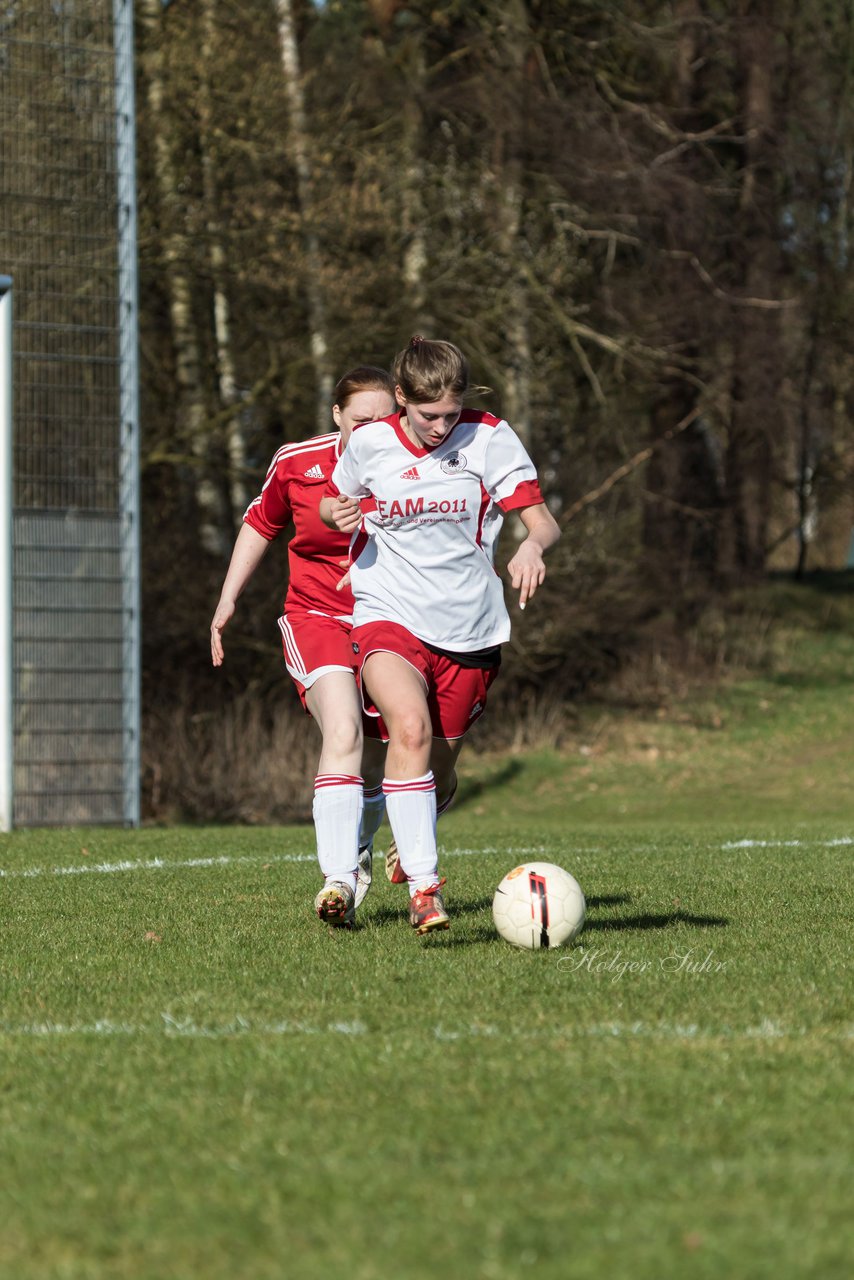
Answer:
x=634 y=217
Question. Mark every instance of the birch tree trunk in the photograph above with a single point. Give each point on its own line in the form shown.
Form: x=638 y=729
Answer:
x=413 y=215
x=413 y=218
x=191 y=407
x=226 y=373
x=299 y=149
x=514 y=33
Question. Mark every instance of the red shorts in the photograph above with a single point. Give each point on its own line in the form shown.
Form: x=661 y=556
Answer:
x=456 y=696
x=314 y=644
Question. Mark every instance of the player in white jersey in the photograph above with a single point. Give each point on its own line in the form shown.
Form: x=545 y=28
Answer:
x=430 y=617
x=348 y=802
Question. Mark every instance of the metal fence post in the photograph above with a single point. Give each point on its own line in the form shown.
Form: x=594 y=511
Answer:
x=6 y=637
x=129 y=501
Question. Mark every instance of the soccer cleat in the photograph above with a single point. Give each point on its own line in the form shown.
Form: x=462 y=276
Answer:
x=393 y=870
x=363 y=874
x=427 y=910
x=336 y=905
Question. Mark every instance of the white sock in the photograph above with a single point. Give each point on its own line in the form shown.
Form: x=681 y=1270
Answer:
x=337 y=812
x=372 y=816
x=411 y=808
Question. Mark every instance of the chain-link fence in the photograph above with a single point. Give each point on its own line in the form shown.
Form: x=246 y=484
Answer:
x=67 y=240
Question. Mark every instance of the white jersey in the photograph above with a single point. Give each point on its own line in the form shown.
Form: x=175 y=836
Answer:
x=423 y=557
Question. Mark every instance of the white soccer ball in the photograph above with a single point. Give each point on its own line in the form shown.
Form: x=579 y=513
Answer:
x=538 y=905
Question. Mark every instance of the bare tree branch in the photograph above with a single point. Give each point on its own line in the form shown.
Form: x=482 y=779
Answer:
x=593 y=495
x=767 y=304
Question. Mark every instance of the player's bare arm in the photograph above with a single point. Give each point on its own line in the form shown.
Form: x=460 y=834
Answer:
x=341 y=513
x=527 y=568
x=249 y=549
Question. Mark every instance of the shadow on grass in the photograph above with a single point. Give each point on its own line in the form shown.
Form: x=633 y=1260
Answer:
x=810 y=680
x=656 y=922
x=472 y=788
x=471 y=938
x=828 y=581
x=485 y=933
x=385 y=915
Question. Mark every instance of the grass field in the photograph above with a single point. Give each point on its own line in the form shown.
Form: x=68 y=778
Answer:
x=198 y=1082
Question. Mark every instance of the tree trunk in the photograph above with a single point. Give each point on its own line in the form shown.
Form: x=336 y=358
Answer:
x=413 y=217
x=514 y=51
x=226 y=373
x=756 y=337
x=191 y=407
x=299 y=148
x=681 y=503
x=682 y=493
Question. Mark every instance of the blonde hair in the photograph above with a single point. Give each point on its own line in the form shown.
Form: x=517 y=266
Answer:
x=427 y=371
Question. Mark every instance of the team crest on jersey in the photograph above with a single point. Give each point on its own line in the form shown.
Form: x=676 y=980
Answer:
x=453 y=463
x=355 y=647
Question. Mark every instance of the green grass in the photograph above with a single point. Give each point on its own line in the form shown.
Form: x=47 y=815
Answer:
x=197 y=1082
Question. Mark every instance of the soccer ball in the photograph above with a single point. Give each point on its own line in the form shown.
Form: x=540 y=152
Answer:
x=538 y=905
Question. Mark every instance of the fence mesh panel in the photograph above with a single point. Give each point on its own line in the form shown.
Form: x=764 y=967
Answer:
x=60 y=241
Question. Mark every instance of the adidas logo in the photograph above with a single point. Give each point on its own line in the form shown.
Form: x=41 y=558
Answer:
x=411 y=474
x=314 y=473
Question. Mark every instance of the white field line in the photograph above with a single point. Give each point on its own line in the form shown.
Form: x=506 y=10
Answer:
x=239 y=1025
x=227 y=860
x=154 y=864
x=788 y=844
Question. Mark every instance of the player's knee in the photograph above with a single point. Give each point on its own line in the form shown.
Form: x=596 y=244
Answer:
x=343 y=735
x=412 y=731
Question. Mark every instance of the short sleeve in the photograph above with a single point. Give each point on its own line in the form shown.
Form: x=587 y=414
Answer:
x=347 y=476
x=510 y=477
x=271 y=511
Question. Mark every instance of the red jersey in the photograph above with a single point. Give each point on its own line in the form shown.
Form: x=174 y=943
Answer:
x=295 y=483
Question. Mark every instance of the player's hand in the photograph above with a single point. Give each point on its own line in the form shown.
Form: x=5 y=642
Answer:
x=527 y=570
x=346 y=513
x=224 y=611
x=345 y=581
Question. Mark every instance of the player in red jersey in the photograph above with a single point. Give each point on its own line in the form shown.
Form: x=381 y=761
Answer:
x=348 y=800
x=430 y=617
